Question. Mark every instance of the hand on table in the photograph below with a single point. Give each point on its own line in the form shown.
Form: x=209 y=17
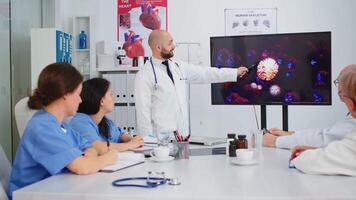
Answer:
x=279 y=132
x=296 y=151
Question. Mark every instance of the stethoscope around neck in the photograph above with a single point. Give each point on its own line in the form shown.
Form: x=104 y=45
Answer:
x=155 y=76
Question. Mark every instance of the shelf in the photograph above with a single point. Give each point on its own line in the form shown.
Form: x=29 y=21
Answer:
x=82 y=50
x=118 y=68
x=83 y=58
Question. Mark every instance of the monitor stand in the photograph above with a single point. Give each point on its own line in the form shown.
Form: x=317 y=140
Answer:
x=284 y=117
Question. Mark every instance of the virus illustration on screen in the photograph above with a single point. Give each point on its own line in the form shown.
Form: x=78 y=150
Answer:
x=267 y=69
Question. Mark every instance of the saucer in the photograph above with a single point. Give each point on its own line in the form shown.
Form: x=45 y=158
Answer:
x=155 y=159
x=237 y=161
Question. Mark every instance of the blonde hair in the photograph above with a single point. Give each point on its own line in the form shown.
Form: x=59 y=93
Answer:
x=347 y=80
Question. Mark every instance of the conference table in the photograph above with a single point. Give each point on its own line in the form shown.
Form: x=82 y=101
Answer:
x=202 y=177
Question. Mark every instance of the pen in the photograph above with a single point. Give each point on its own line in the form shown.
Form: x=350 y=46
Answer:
x=187 y=138
x=108 y=144
x=265 y=131
x=176 y=135
x=251 y=66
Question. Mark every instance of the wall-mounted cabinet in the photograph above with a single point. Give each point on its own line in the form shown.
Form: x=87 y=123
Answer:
x=48 y=45
x=83 y=35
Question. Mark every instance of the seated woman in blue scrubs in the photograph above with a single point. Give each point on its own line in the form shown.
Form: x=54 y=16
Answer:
x=90 y=120
x=49 y=146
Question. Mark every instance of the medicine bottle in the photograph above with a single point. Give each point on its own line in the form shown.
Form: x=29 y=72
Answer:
x=230 y=137
x=242 y=142
x=232 y=149
x=82 y=40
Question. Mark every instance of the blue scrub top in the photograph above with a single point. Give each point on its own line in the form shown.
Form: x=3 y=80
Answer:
x=86 y=126
x=46 y=148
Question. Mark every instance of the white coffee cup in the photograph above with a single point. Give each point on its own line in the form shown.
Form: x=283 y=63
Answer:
x=244 y=154
x=160 y=152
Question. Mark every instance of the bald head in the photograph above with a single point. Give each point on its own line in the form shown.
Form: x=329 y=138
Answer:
x=162 y=44
x=157 y=37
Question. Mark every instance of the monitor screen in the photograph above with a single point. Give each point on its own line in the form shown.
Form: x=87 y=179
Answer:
x=284 y=69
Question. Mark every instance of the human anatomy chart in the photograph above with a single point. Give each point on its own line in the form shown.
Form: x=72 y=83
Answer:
x=136 y=20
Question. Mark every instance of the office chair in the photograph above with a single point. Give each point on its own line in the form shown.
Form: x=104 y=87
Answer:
x=3 y=195
x=5 y=170
x=22 y=115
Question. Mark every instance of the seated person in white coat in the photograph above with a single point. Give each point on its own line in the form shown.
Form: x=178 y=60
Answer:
x=310 y=137
x=49 y=146
x=160 y=86
x=314 y=137
x=90 y=120
x=338 y=157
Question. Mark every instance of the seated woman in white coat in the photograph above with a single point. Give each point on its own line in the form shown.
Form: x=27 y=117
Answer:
x=90 y=121
x=339 y=157
x=49 y=146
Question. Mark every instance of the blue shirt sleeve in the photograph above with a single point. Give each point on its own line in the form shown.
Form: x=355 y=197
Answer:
x=82 y=142
x=54 y=149
x=85 y=126
x=115 y=131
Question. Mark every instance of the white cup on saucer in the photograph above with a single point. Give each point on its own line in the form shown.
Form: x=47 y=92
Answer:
x=244 y=154
x=160 y=153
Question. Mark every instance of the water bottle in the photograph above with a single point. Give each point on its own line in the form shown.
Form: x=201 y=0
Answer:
x=82 y=40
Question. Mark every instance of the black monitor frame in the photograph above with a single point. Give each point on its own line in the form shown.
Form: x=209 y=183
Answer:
x=328 y=33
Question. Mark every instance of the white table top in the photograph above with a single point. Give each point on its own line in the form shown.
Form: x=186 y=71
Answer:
x=202 y=177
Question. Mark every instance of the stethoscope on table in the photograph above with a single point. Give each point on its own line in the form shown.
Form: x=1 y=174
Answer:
x=151 y=182
x=155 y=76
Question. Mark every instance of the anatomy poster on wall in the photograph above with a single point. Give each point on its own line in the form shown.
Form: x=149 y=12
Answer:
x=135 y=21
x=250 y=21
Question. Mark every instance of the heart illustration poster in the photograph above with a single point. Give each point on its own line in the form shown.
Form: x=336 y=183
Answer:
x=136 y=19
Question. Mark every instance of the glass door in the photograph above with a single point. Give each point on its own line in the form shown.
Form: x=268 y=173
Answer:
x=5 y=78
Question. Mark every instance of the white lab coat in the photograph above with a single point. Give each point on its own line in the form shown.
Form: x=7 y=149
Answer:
x=338 y=158
x=317 y=137
x=164 y=107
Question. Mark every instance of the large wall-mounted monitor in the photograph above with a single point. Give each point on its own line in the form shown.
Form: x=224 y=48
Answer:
x=284 y=69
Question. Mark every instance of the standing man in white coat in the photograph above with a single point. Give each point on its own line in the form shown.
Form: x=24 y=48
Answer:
x=160 y=87
x=339 y=157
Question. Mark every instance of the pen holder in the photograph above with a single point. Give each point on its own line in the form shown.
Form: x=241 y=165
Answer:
x=181 y=150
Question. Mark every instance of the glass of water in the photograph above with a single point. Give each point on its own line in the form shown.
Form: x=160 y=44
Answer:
x=163 y=138
x=256 y=139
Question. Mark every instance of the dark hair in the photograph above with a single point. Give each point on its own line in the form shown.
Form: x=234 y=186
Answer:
x=54 y=81
x=93 y=91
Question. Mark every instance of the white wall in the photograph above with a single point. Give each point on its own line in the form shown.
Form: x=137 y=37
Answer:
x=197 y=20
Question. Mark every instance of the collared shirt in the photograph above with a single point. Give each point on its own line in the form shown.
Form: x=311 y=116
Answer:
x=45 y=149
x=89 y=129
x=162 y=106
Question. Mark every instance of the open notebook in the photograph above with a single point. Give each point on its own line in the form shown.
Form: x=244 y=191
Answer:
x=125 y=160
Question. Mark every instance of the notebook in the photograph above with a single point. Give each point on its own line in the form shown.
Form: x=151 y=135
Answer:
x=208 y=141
x=125 y=160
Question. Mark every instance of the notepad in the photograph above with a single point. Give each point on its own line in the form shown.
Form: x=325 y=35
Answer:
x=125 y=160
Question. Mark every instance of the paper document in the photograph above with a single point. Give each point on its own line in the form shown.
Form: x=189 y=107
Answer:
x=125 y=160
x=146 y=147
x=150 y=139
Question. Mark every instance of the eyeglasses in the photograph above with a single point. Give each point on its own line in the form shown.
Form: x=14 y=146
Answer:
x=336 y=82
